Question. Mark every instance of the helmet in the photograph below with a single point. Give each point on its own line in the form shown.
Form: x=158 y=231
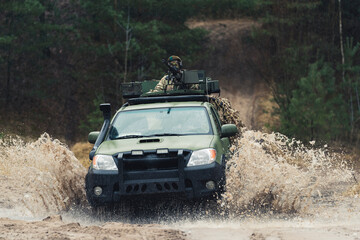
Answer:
x=175 y=58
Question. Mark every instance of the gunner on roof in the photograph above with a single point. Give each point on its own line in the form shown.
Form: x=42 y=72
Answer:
x=175 y=72
x=174 y=76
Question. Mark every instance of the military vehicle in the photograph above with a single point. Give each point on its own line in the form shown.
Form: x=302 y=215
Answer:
x=160 y=143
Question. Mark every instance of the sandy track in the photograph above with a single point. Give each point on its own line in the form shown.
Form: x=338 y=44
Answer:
x=54 y=228
x=275 y=231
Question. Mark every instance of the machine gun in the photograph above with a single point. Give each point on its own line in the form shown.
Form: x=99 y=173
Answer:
x=174 y=74
x=183 y=79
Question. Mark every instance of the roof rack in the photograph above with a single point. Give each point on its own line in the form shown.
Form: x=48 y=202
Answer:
x=161 y=99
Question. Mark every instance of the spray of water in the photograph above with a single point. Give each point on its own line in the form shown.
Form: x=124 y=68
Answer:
x=272 y=173
x=267 y=172
x=39 y=177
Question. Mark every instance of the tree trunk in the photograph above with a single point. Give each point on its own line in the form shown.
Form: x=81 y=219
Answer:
x=349 y=92
x=341 y=44
x=127 y=44
x=357 y=96
x=8 y=83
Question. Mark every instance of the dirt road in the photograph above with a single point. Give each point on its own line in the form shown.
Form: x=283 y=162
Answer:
x=55 y=228
x=275 y=230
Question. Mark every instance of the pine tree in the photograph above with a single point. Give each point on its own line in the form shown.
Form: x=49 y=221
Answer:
x=316 y=110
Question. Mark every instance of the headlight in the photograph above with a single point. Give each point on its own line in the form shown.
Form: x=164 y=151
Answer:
x=104 y=162
x=202 y=157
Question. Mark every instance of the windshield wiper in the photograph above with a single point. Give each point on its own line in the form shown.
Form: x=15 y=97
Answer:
x=129 y=136
x=152 y=135
x=164 y=134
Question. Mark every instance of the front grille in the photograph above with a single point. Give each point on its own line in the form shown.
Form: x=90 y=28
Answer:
x=150 y=160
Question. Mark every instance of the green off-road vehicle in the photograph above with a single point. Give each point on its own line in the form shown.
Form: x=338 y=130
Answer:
x=160 y=143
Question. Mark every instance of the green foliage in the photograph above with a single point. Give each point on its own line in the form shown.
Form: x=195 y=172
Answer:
x=108 y=30
x=320 y=101
x=61 y=55
x=351 y=85
x=27 y=36
x=95 y=118
x=315 y=111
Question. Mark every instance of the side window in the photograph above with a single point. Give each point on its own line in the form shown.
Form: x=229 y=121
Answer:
x=217 y=119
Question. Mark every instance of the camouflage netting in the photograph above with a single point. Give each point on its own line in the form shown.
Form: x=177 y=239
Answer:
x=227 y=113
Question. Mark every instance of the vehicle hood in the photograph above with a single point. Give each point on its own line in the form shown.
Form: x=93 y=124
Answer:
x=191 y=142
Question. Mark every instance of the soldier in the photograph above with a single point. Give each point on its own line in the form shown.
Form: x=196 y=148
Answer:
x=167 y=82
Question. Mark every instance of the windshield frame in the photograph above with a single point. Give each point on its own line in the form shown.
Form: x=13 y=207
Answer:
x=210 y=132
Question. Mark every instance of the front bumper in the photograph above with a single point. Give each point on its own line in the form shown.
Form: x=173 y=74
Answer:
x=189 y=182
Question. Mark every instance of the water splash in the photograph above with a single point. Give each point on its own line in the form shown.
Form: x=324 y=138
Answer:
x=272 y=173
x=40 y=177
x=267 y=173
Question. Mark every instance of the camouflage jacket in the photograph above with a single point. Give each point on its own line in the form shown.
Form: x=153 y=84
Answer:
x=163 y=85
x=168 y=85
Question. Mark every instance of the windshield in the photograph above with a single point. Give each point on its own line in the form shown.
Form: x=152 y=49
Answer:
x=161 y=122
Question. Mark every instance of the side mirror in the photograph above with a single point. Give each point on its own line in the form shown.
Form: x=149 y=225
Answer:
x=228 y=130
x=93 y=136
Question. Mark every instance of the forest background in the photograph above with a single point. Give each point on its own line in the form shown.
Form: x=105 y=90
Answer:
x=60 y=59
